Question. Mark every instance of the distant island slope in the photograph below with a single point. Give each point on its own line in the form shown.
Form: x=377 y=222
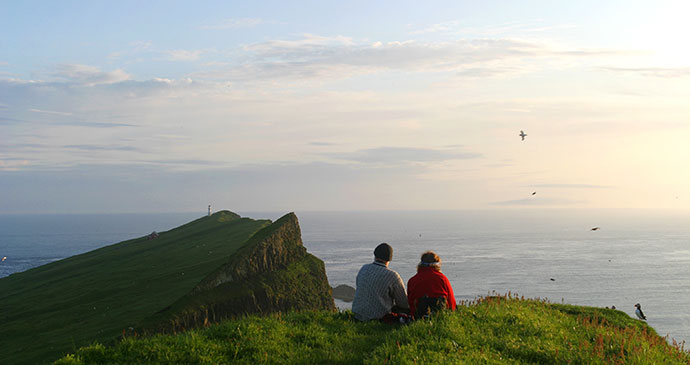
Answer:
x=211 y=268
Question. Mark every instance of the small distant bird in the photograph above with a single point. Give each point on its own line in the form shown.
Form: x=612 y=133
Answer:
x=613 y=307
x=552 y=279
x=638 y=312
x=534 y=193
x=523 y=135
x=594 y=229
x=3 y=258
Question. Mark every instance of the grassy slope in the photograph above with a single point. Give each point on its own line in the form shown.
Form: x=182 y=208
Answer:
x=496 y=330
x=57 y=307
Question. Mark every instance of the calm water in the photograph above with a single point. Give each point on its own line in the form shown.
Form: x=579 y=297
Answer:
x=634 y=257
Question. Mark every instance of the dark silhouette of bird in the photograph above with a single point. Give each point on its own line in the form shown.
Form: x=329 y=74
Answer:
x=552 y=279
x=638 y=312
x=523 y=135
x=594 y=229
x=534 y=193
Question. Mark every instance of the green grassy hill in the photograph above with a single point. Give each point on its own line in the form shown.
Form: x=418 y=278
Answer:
x=55 y=308
x=495 y=330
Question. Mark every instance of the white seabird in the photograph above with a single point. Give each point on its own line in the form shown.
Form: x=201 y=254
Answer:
x=523 y=135
x=638 y=312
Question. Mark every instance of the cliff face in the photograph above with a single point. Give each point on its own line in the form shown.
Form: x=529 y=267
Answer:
x=272 y=272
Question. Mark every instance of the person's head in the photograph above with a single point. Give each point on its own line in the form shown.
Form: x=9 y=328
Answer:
x=430 y=259
x=383 y=252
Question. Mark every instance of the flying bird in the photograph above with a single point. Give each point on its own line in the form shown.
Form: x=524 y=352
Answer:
x=638 y=312
x=523 y=135
x=594 y=229
x=3 y=258
x=534 y=193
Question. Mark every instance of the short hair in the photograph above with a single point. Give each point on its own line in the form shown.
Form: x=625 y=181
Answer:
x=430 y=259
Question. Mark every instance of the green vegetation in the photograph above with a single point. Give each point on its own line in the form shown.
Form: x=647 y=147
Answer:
x=55 y=308
x=489 y=330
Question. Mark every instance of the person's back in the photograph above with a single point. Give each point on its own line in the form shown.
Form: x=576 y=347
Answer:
x=429 y=290
x=379 y=288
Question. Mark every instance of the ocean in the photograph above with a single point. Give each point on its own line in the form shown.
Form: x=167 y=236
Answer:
x=634 y=257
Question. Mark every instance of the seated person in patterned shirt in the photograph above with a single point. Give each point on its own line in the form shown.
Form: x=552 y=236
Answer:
x=429 y=290
x=380 y=290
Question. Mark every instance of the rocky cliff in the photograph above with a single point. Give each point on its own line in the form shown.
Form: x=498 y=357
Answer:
x=272 y=272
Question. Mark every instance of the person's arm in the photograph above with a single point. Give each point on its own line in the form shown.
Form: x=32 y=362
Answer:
x=410 y=298
x=398 y=291
x=451 y=295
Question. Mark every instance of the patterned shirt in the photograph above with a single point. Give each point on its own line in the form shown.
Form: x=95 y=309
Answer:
x=378 y=289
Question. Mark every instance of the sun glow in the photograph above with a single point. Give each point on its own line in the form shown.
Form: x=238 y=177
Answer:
x=665 y=35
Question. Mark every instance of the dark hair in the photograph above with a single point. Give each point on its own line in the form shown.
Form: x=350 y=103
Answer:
x=384 y=252
x=430 y=259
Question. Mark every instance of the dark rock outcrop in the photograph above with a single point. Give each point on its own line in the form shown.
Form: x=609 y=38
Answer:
x=272 y=272
x=344 y=292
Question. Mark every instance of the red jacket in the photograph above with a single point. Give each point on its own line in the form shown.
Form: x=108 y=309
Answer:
x=431 y=283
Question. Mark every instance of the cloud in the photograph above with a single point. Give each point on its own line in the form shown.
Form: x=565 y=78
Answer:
x=340 y=57
x=146 y=186
x=88 y=75
x=317 y=57
x=571 y=186
x=317 y=143
x=663 y=72
x=184 y=55
x=397 y=155
x=235 y=23
x=90 y=147
x=138 y=46
x=538 y=202
x=439 y=27
x=50 y=112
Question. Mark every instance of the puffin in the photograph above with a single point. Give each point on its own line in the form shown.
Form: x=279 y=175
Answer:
x=638 y=312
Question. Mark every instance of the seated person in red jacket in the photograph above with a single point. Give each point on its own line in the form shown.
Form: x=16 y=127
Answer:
x=429 y=290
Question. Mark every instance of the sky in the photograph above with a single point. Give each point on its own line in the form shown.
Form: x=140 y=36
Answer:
x=167 y=106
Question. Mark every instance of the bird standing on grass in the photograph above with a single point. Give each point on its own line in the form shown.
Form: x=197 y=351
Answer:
x=638 y=312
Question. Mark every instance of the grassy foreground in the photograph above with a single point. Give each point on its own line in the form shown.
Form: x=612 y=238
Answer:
x=488 y=330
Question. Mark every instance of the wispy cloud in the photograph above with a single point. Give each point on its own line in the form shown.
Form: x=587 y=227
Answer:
x=397 y=155
x=184 y=55
x=234 y=23
x=571 y=186
x=664 y=72
x=89 y=75
x=538 y=202
x=318 y=57
x=51 y=112
x=91 y=147
x=317 y=143
x=448 y=26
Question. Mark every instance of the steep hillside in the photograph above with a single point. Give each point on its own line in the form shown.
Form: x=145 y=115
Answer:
x=271 y=273
x=90 y=297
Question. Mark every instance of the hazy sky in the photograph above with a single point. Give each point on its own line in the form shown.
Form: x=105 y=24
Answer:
x=125 y=106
